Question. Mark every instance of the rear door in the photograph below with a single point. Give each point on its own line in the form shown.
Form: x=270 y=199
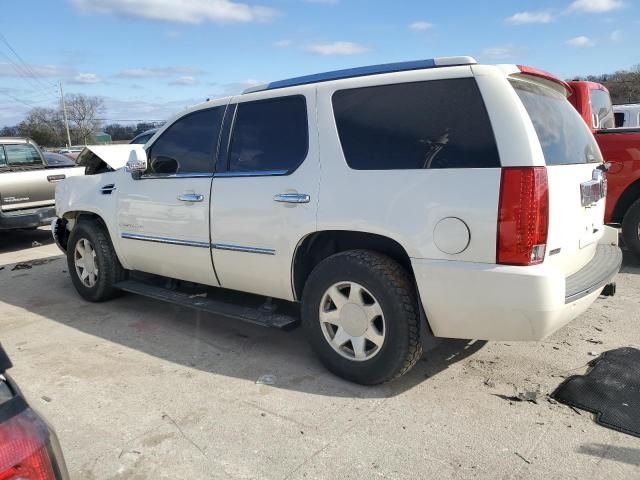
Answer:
x=265 y=190
x=576 y=184
x=23 y=182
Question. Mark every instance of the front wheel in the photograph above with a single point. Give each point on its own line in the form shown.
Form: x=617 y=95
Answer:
x=92 y=261
x=631 y=228
x=360 y=314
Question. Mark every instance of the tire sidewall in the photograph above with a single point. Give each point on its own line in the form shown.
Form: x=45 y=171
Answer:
x=630 y=225
x=391 y=356
x=89 y=231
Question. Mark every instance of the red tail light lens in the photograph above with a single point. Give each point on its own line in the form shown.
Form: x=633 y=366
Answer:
x=523 y=216
x=23 y=449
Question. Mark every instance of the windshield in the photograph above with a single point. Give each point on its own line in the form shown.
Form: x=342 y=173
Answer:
x=563 y=135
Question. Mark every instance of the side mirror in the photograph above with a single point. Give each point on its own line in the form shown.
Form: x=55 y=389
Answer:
x=137 y=163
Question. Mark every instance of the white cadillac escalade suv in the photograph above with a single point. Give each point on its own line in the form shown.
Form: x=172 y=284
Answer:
x=368 y=202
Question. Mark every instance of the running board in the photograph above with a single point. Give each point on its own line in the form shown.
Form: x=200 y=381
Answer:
x=264 y=315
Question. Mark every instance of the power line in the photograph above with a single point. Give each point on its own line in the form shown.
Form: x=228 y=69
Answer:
x=27 y=67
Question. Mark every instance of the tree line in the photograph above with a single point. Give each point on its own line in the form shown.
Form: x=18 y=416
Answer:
x=47 y=128
x=623 y=85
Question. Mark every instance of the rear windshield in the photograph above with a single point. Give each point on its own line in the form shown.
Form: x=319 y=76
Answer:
x=564 y=136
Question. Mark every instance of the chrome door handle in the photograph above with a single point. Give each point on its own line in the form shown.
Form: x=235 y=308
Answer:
x=292 y=198
x=190 y=197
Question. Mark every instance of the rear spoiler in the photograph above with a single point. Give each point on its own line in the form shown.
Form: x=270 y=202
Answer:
x=548 y=77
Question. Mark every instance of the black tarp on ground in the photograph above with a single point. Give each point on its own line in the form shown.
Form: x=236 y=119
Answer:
x=611 y=390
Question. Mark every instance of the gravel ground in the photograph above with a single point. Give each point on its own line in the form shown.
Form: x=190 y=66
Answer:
x=137 y=389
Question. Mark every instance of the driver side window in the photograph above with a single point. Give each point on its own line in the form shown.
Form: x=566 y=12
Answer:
x=188 y=145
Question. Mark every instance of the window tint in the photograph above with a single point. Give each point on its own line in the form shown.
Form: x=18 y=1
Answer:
x=22 y=154
x=619 y=116
x=433 y=124
x=142 y=139
x=188 y=145
x=563 y=134
x=602 y=108
x=270 y=135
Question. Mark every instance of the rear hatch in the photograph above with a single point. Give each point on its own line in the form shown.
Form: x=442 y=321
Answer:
x=576 y=184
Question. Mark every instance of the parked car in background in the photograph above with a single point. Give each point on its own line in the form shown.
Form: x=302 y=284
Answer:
x=55 y=160
x=29 y=447
x=620 y=148
x=27 y=184
x=627 y=116
x=144 y=137
x=72 y=152
x=390 y=202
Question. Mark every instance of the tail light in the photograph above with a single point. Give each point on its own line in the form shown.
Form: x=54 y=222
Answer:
x=23 y=449
x=523 y=216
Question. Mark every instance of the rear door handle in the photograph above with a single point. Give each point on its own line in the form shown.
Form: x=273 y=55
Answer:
x=292 y=198
x=190 y=197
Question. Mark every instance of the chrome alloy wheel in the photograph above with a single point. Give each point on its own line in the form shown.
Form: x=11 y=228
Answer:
x=352 y=321
x=84 y=259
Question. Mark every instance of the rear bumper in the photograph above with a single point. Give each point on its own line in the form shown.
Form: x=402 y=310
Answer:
x=495 y=302
x=31 y=218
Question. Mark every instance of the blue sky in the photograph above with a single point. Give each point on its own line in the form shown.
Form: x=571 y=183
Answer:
x=149 y=59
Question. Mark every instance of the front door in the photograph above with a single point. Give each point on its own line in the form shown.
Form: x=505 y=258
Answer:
x=265 y=190
x=163 y=216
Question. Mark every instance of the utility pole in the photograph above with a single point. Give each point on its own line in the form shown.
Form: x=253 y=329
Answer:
x=64 y=112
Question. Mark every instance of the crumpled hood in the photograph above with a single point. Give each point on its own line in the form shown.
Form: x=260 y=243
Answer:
x=116 y=156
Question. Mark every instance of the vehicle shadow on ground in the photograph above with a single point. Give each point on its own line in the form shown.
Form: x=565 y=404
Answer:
x=15 y=240
x=630 y=262
x=204 y=341
x=626 y=455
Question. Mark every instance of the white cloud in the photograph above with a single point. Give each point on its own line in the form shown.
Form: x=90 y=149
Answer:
x=500 y=52
x=86 y=78
x=420 y=26
x=616 y=36
x=156 y=72
x=184 y=81
x=282 y=43
x=184 y=11
x=521 y=18
x=336 y=48
x=595 y=6
x=580 y=42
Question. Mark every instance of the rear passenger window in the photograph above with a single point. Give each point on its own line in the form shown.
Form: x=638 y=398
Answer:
x=22 y=155
x=270 y=135
x=432 y=124
x=3 y=158
x=188 y=145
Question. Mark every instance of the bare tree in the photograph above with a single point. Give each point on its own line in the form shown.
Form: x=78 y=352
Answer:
x=84 y=114
x=44 y=125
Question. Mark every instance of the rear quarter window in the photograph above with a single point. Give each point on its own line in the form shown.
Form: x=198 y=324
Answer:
x=420 y=125
x=564 y=136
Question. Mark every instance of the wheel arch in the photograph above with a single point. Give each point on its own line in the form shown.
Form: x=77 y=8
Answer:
x=628 y=197
x=317 y=246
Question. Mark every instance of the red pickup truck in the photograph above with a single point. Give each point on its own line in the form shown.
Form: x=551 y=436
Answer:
x=621 y=148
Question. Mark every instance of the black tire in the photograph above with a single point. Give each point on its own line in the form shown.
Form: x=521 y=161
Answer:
x=110 y=270
x=394 y=291
x=631 y=228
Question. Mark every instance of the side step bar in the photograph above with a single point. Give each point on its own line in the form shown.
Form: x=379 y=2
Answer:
x=265 y=315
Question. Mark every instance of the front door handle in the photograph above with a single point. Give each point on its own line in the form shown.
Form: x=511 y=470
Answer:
x=292 y=198
x=190 y=197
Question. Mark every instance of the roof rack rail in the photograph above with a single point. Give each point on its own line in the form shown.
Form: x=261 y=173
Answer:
x=363 y=71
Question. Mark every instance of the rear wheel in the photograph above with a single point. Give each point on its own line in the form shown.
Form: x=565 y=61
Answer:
x=631 y=228
x=360 y=314
x=93 y=264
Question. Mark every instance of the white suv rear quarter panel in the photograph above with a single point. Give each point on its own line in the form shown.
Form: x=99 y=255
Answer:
x=404 y=205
